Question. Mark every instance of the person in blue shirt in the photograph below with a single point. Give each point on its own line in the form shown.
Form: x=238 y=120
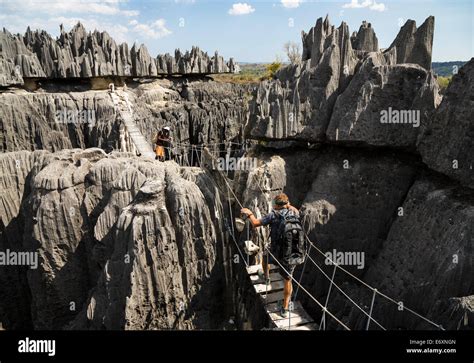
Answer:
x=281 y=206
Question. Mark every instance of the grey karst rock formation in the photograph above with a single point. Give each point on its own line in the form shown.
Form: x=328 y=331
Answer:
x=199 y=111
x=298 y=104
x=446 y=144
x=414 y=45
x=365 y=39
x=444 y=236
x=141 y=234
x=142 y=63
x=55 y=121
x=423 y=258
x=384 y=105
x=139 y=244
x=17 y=59
x=346 y=79
x=82 y=54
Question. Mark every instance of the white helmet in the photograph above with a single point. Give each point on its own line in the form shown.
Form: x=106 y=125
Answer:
x=166 y=128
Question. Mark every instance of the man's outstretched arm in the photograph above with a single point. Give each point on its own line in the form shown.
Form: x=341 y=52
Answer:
x=255 y=221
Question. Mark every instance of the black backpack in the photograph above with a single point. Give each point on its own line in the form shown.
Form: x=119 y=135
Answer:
x=291 y=241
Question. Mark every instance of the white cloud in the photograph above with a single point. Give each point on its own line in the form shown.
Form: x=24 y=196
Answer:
x=378 y=7
x=154 y=30
x=371 y=4
x=58 y=7
x=241 y=9
x=130 y=12
x=290 y=3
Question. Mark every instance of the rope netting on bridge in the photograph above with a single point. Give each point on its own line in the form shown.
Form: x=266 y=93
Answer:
x=190 y=155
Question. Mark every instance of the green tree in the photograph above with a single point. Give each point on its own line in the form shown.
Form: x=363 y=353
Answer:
x=272 y=68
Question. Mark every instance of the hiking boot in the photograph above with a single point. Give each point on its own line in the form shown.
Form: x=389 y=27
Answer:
x=283 y=312
x=261 y=276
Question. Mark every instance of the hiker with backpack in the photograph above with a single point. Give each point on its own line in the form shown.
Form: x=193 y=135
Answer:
x=162 y=142
x=287 y=243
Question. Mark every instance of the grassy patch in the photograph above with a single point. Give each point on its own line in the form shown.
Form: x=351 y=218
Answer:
x=443 y=82
x=250 y=73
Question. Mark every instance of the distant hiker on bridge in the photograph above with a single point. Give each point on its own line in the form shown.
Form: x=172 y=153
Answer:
x=287 y=243
x=162 y=142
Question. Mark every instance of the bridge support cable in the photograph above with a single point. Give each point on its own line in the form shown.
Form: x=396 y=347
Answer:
x=322 y=325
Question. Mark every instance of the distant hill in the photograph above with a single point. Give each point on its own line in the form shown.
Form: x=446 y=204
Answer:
x=445 y=69
x=253 y=68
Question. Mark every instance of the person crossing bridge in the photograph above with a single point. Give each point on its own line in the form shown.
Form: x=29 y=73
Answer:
x=287 y=243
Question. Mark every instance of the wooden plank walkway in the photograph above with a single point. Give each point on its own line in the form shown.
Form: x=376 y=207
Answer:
x=124 y=108
x=298 y=318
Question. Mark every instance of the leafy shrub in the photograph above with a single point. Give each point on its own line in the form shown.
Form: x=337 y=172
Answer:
x=443 y=82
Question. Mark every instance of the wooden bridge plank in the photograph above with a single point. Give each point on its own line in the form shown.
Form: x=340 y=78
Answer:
x=262 y=288
x=300 y=314
x=290 y=323
x=272 y=297
x=274 y=276
x=309 y=326
x=254 y=268
x=299 y=318
x=272 y=308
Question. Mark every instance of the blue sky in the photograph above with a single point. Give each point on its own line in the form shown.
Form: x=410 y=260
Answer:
x=249 y=31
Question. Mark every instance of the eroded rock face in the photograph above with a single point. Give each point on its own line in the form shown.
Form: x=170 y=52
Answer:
x=384 y=105
x=15 y=178
x=426 y=260
x=141 y=234
x=82 y=54
x=55 y=121
x=447 y=143
x=347 y=199
x=17 y=60
x=198 y=112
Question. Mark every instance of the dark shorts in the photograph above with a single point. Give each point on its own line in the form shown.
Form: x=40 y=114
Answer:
x=289 y=268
